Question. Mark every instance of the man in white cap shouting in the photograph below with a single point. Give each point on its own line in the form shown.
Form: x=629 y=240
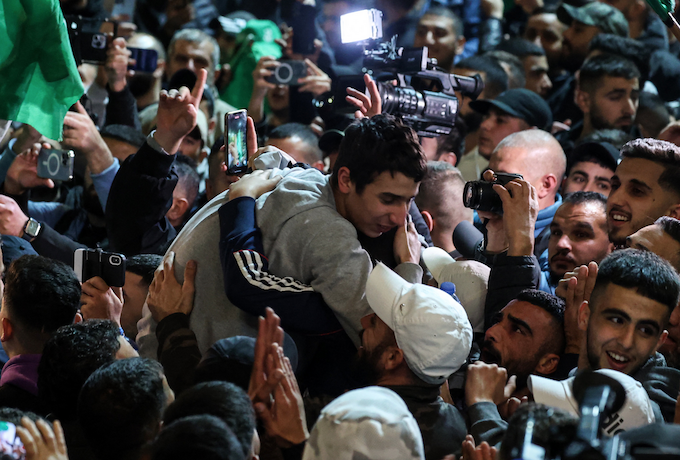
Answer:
x=417 y=337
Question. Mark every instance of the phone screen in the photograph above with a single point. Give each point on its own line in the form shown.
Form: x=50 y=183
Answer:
x=10 y=444
x=237 y=150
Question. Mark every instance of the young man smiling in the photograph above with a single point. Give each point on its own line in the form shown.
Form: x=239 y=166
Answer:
x=645 y=187
x=626 y=318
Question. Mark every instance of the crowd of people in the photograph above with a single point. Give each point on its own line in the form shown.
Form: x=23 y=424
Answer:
x=342 y=299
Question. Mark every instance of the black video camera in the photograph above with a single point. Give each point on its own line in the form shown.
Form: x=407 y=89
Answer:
x=425 y=95
x=480 y=195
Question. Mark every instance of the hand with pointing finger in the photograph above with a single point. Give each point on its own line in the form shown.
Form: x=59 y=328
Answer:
x=177 y=113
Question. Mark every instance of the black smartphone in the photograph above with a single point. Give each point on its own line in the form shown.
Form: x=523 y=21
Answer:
x=56 y=164
x=235 y=141
x=146 y=61
x=89 y=38
x=110 y=266
x=304 y=32
x=288 y=72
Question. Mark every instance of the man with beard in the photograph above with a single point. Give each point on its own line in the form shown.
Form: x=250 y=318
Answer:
x=417 y=337
x=607 y=92
x=646 y=186
x=472 y=164
x=578 y=235
x=624 y=322
x=527 y=337
x=584 y=24
x=663 y=239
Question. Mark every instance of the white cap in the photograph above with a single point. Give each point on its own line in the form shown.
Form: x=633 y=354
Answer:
x=430 y=327
x=470 y=277
x=372 y=423
x=636 y=411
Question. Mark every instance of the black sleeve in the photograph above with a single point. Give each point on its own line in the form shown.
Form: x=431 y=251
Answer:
x=490 y=34
x=177 y=351
x=122 y=109
x=509 y=275
x=140 y=196
x=52 y=244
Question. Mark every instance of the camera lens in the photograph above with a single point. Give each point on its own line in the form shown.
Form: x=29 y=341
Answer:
x=53 y=164
x=284 y=73
x=115 y=260
x=481 y=196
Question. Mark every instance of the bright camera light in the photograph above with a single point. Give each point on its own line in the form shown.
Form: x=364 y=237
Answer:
x=361 y=25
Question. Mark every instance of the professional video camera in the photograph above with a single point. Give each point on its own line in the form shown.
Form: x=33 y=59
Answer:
x=599 y=397
x=424 y=96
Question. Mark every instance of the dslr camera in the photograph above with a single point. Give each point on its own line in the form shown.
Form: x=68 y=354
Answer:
x=480 y=195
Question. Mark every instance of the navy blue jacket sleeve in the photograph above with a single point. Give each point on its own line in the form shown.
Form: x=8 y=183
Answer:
x=250 y=287
x=140 y=196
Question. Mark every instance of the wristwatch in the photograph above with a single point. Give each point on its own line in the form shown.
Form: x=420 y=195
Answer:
x=31 y=229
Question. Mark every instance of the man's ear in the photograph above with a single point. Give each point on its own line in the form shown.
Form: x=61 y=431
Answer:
x=392 y=357
x=318 y=165
x=429 y=221
x=449 y=157
x=160 y=69
x=460 y=45
x=582 y=100
x=662 y=339
x=6 y=330
x=583 y=315
x=180 y=206
x=345 y=184
x=547 y=364
x=548 y=184
x=78 y=318
x=674 y=211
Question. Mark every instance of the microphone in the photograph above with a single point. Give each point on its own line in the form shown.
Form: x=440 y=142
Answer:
x=466 y=238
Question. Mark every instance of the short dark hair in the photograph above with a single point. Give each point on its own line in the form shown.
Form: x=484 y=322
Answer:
x=120 y=407
x=124 y=133
x=495 y=80
x=224 y=400
x=652 y=113
x=70 y=356
x=454 y=141
x=13 y=415
x=187 y=179
x=555 y=308
x=430 y=197
x=199 y=436
x=447 y=13
x=42 y=294
x=643 y=271
x=374 y=145
x=546 y=421
x=581 y=197
x=669 y=225
x=633 y=50
x=615 y=137
x=597 y=67
x=661 y=152
x=548 y=302
x=312 y=152
x=516 y=77
x=144 y=265
x=520 y=47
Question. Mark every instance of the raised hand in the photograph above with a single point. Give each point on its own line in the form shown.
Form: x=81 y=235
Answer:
x=316 y=82
x=42 y=441
x=116 y=66
x=23 y=172
x=368 y=105
x=177 y=113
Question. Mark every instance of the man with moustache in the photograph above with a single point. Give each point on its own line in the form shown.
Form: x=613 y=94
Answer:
x=607 y=93
x=584 y=24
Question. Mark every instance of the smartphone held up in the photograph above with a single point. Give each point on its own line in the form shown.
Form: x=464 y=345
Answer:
x=235 y=140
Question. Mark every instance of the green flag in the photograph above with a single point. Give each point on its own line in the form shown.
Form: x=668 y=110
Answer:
x=39 y=79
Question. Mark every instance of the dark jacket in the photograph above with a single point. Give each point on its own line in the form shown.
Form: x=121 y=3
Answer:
x=140 y=196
